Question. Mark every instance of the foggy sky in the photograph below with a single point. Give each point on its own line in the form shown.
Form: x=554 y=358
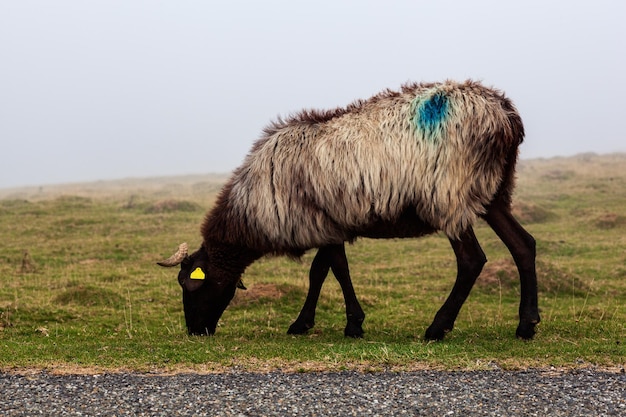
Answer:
x=110 y=89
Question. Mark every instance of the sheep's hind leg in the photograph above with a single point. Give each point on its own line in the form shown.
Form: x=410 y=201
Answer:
x=521 y=244
x=470 y=260
x=332 y=256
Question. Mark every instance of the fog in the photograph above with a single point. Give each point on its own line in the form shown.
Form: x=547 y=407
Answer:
x=114 y=89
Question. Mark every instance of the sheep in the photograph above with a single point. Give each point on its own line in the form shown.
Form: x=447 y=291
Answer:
x=434 y=156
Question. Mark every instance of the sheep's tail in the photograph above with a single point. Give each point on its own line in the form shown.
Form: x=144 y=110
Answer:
x=516 y=134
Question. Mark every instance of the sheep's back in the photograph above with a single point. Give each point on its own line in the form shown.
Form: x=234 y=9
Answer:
x=320 y=179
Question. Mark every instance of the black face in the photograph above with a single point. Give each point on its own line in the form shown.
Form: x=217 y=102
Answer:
x=207 y=291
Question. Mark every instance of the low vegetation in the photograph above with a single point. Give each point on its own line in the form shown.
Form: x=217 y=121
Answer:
x=79 y=288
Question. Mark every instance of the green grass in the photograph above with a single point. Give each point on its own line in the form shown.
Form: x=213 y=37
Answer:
x=89 y=296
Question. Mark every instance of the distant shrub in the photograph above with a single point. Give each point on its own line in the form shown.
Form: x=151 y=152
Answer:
x=170 y=206
x=73 y=201
x=559 y=175
x=14 y=203
x=206 y=187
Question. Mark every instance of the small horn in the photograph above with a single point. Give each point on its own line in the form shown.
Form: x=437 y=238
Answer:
x=176 y=258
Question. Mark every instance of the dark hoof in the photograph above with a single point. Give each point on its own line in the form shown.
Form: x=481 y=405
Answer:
x=435 y=333
x=525 y=331
x=353 y=330
x=298 y=327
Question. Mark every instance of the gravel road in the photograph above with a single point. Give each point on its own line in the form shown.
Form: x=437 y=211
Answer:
x=495 y=393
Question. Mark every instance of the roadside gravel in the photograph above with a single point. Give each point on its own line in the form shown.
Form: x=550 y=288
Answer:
x=494 y=393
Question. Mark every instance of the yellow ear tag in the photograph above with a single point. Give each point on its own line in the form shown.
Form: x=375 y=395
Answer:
x=197 y=274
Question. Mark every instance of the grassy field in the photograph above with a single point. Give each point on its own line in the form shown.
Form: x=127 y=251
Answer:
x=80 y=290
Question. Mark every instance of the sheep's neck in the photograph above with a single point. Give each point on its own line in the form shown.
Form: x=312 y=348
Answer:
x=231 y=258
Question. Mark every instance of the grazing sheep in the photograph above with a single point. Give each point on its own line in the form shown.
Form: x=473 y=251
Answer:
x=430 y=156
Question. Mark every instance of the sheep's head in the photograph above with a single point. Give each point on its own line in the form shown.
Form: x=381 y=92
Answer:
x=207 y=289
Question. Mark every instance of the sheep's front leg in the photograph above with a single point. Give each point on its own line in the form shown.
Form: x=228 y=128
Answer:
x=331 y=256
x=317 y=275
x=354 y=313
x=470 y=260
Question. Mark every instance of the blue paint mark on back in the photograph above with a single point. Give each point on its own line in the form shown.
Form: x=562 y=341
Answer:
x=431 y=112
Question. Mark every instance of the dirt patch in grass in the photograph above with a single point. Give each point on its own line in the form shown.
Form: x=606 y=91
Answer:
x=503 y=274
x=532 y=213
x=258 y=293
x=499 y=272
x=610 y=221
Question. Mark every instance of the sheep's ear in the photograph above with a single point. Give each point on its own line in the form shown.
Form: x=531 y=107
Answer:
x=194 y=280
x=240 y=285
x=191 y=284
